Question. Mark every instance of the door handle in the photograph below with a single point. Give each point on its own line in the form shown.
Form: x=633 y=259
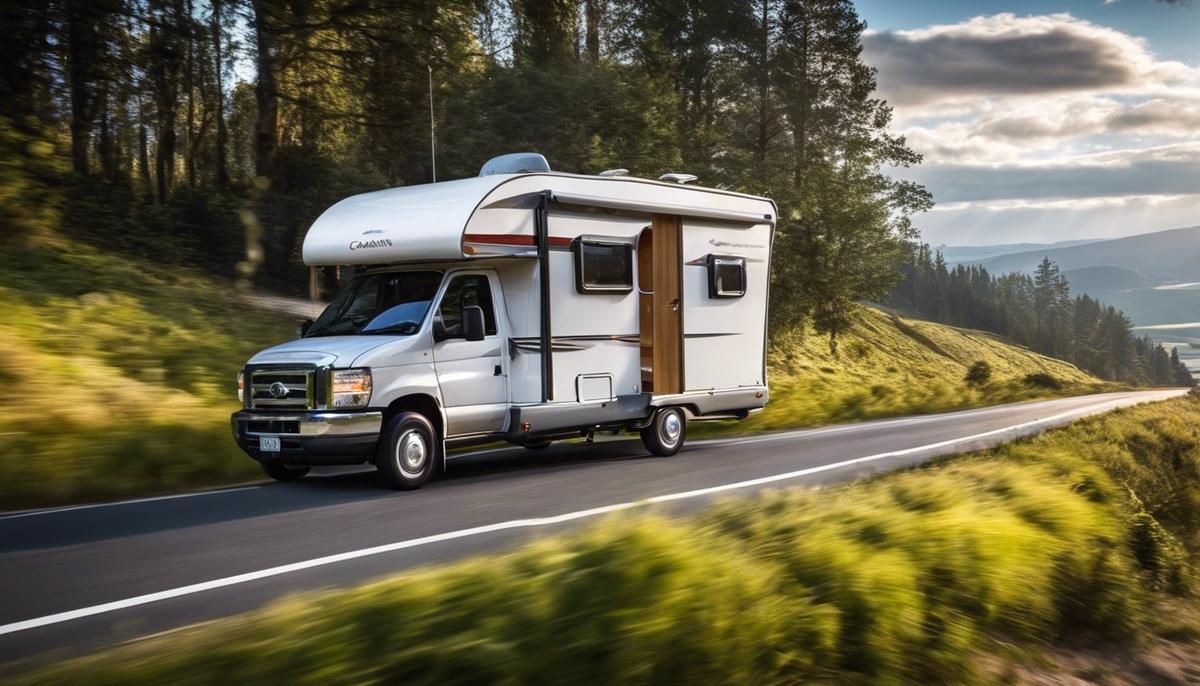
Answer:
x=497 y=371
x=674 y=305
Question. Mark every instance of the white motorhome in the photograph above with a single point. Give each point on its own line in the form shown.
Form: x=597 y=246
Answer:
x=522 y=305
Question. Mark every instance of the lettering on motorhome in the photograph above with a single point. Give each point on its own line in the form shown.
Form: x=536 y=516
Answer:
x=376 y=243
x=726 y=244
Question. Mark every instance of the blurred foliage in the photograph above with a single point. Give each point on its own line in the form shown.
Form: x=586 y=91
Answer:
x=120 y=376
x=905 y=578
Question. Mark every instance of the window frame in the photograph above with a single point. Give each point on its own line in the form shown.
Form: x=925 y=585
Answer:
x=716 y=261
x=439 y=328
x=577 y=248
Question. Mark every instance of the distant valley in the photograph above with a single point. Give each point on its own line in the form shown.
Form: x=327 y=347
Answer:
x=1154 y=278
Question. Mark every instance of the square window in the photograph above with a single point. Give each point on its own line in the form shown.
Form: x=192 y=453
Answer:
x=726 y=276
x=602 y=266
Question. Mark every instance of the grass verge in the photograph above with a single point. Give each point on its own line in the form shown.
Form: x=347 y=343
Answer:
x=913 y=576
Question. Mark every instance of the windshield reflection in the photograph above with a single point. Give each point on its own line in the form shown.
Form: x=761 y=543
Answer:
x=393 y=303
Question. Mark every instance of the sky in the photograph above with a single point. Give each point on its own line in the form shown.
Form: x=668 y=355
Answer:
x=1044 y=120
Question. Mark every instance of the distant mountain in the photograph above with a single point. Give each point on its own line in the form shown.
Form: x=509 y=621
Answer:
x=1094 y=279
x=956 y=254
x=1129 y=273
x=1161 y=258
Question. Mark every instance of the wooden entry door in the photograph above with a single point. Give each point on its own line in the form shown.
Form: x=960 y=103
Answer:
x=660 y=305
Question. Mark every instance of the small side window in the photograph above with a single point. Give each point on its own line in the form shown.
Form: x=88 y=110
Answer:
x=602 y=266
x=463 y=291
x=726 y=276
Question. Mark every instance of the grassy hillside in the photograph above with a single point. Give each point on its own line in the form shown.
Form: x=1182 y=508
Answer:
x=889 y=365
x=121 y=375
x=960 y=572
x=119 y=378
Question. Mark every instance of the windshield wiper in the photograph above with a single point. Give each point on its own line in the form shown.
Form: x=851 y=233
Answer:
x=404 y=329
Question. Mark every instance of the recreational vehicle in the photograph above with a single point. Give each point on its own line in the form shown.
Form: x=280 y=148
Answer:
x=522 y=305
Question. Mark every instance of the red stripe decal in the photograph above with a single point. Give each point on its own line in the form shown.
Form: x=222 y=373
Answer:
x=512 y=239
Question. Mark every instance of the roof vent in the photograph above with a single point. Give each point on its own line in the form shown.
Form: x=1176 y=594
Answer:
x=678 y=178
x=614 y=172
x=515 y=163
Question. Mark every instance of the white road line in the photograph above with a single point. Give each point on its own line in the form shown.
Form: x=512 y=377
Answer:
x=134 y=501
x=190 y=589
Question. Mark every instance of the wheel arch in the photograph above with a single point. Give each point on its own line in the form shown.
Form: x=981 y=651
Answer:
x=423 y=404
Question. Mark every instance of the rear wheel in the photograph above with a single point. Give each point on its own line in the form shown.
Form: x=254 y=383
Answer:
x=666 y=433
x=408 y=451
x=282 y=472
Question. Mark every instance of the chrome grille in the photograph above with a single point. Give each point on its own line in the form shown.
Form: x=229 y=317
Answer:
x=281 y=388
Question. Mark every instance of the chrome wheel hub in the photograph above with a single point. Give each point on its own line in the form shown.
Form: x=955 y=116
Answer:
x=672 y=426
x=411 y=453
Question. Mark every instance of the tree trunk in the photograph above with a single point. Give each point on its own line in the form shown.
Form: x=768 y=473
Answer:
x=800 y=132
x=266 y=127
x=81 y=38
x=104 y=146
x=189 y=134
x=144 y=151
x=222 y=132
x=764 y=80
x=594 y=9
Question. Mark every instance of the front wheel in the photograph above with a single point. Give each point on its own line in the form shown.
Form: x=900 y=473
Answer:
x=665 y=435
x=408 y=451
x=282 y=472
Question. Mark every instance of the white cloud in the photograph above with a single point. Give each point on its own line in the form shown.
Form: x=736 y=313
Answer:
x=1044 y=222
x=1165 y=170
x=1043 y=128
x=1005 y=55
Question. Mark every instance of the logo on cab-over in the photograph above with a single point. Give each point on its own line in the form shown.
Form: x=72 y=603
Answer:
x=373 y=243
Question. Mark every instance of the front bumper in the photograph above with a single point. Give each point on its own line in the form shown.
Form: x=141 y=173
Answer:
x=309 y=437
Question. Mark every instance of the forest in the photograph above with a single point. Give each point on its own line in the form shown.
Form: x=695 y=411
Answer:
x=212 y=132
x=1038 y=312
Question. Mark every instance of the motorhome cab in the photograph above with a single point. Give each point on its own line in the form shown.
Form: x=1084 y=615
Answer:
x=521 y=305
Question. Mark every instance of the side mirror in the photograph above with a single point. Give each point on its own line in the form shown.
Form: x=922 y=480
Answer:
x=304 y=327
x=473 y=325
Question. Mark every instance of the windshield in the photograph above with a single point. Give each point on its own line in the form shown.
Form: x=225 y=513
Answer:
x=390 y=303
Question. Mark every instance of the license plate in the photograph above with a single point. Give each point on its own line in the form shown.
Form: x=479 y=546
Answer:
x=268 y=444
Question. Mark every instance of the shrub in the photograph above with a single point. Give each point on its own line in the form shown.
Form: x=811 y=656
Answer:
x=978 y=374
x=1042 y=380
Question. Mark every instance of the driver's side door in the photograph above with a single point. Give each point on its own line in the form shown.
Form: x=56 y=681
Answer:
x=471 y=374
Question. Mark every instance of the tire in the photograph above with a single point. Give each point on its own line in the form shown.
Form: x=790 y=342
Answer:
x=282 y=472
x=408 y=452
x=539 y=445
x=666 y=433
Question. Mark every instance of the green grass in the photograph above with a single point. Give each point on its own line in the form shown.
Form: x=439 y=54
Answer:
x=908 y=577
x=890 y=366
x=119 y=377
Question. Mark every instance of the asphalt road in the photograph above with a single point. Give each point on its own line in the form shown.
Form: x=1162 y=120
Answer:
x=78 y=578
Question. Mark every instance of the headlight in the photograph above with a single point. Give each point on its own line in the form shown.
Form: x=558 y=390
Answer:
x=242 y=386
x=351 y=387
